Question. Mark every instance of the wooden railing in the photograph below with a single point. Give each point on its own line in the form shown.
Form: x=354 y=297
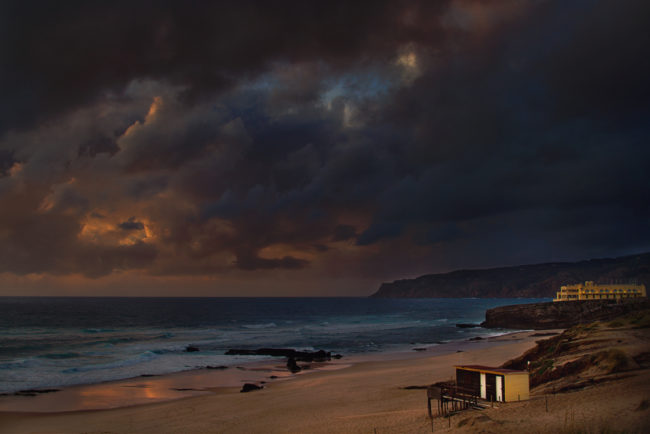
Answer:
x=451 y=398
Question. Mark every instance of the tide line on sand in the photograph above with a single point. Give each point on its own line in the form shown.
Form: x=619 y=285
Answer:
x=160 y=388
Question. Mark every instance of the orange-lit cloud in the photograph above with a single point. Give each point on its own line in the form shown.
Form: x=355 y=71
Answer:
x=417 y=137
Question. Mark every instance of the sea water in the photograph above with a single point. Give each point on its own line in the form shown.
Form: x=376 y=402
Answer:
x=61 y=341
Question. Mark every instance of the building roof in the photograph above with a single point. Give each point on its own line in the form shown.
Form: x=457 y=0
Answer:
x=490 y=369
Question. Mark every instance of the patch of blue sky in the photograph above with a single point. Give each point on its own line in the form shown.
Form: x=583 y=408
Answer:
x=367 y=84
x=361 y=83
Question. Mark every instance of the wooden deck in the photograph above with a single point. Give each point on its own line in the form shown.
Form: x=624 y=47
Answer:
x=451 y=399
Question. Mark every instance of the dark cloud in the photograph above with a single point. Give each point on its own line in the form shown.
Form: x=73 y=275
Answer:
x=333 y=138
x=343 y=232
x=252 y=262
x=131 y=225
x=378 y=231
x=98 y=145
x=598 y=69
x=504 y=132
x=59 y=55
x=6 y=162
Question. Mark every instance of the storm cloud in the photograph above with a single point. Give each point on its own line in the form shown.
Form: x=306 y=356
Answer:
x=311 y=140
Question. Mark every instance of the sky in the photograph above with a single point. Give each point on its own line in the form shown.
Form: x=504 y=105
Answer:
x=310 y=148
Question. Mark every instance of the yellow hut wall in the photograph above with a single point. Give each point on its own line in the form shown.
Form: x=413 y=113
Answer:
x=516 y=387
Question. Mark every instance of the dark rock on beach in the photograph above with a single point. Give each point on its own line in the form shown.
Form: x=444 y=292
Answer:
x=216 y=367
x=300 y=356
x=34 y=392
x=467 y=325
x=249 y=387
x=553 y=315
x=191 y=349
x=293 y=366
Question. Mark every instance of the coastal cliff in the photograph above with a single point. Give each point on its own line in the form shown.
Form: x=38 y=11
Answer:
x=552 y=315
x=540 y=280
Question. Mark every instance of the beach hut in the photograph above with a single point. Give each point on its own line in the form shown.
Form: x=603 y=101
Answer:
x=493 y=384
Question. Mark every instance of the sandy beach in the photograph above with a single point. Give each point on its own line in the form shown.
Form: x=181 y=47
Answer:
x=370 y=396
x=360 y=397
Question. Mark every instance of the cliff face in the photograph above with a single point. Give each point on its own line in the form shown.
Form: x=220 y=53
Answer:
x=541 y=280
x=564 y=314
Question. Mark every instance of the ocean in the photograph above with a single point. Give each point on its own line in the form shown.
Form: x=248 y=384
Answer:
x=48 y=342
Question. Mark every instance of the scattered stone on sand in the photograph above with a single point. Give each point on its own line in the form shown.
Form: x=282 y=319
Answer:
x=34 y=392
x=293 y=366
x=249 y=387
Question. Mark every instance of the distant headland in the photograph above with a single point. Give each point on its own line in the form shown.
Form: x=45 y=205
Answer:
x=538 y=280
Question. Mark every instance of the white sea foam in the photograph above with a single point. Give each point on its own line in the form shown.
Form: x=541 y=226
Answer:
x=260 y=326
x=114 y=339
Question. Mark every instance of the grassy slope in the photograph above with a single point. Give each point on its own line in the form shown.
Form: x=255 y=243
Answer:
x=592 y=378
x=588 y=353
